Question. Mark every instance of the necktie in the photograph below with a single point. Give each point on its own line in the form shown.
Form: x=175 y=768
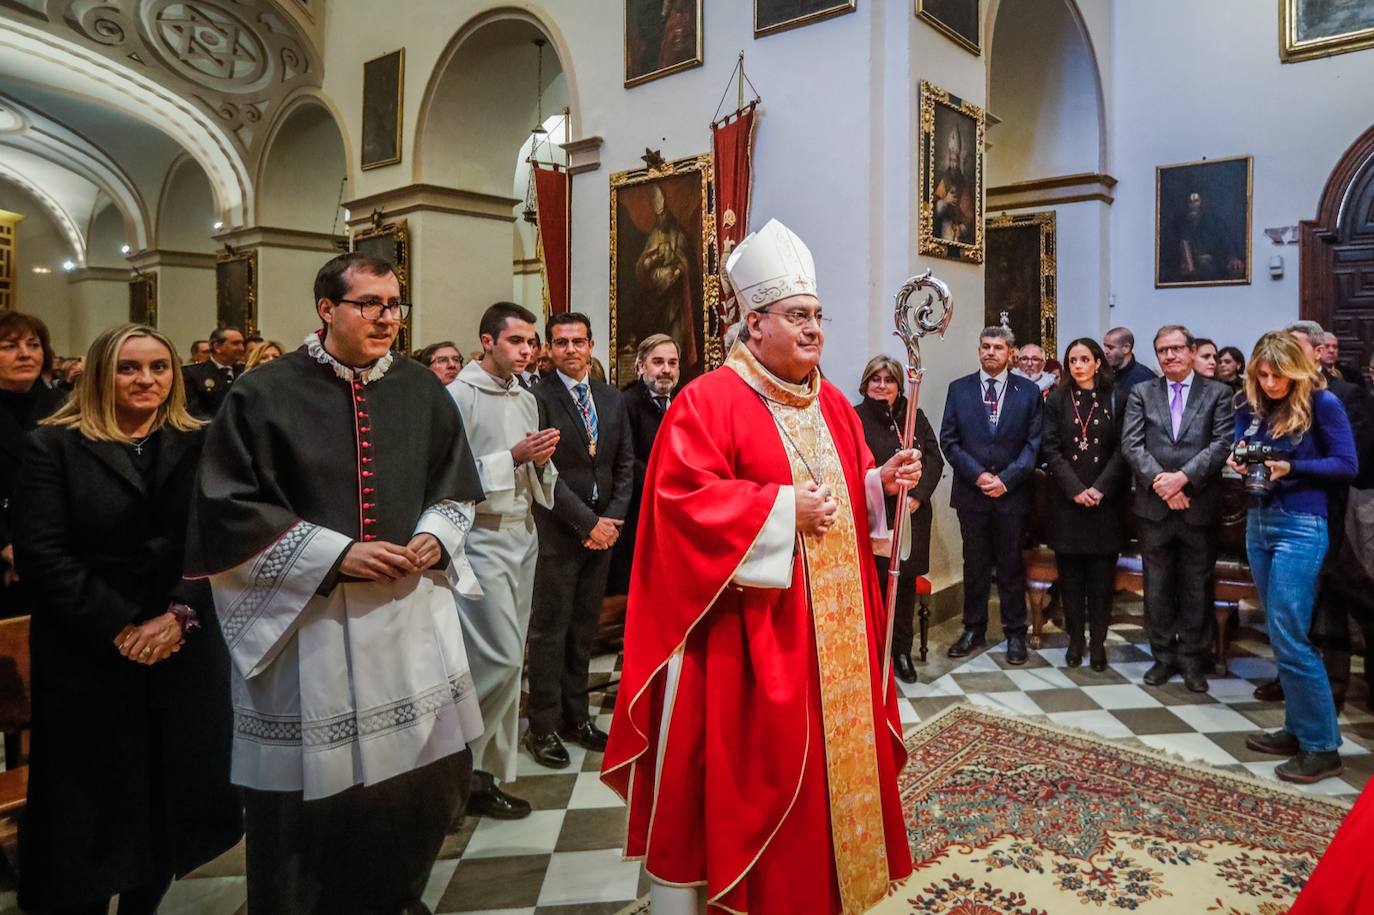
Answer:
x=584 y=403
x=1176 y=407
x=662 y=403
x=990 y=398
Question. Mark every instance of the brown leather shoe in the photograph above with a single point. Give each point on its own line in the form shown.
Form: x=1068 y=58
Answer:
x=1269 y=691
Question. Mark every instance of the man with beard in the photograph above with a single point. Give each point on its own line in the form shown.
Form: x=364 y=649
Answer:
x=664 y=275
x=646 y=400
x=956 y=207
x=1030 y=365
x=502 y=423
x=1204 y=252
x=1118 y=345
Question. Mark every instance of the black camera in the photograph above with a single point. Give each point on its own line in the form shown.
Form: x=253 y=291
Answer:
x=1259 y=481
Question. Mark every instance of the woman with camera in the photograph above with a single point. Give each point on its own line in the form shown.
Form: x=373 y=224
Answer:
x=1293 y=443
x=1081 y=445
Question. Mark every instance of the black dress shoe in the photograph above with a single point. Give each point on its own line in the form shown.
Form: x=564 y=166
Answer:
x=1269 y=691
x=967 y=643
x=547 y=750
x=1195 y=680
x=904 y=668
x=1016 y=650
x=1074 y=656
x=1099 y=658
x=1159 y=674
x=1307 y=767
x=492 y=802
x=585 y=734
x=1275 y=743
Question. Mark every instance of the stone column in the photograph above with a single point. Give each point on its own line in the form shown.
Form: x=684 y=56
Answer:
x=99 y=299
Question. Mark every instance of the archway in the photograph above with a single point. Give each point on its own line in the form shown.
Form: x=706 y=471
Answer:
x=304 y=163
x=107 y=242
x=186 y=209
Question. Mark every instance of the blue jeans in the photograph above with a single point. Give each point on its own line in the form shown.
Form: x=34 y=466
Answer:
x=1286 y=552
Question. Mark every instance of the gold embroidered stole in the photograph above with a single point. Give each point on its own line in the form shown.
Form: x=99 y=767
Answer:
x=835 y=587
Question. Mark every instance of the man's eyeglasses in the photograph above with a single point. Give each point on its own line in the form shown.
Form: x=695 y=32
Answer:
x=373 y=309
x=1170 y=350
x=800 y=317
x=571 y=343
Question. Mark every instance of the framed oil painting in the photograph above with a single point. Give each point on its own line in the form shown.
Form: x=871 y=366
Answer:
x=1320 y=28
x=1202 y=222
x=143 y=299
x=391 y=242
x=663 y=264
x=957 y=20
x=1020 y=278
x=661 y=37
x=780 y=15
x=383 y=98
x=949 y=220
x=236 y=291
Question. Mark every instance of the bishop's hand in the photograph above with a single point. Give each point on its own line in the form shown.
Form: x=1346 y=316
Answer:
x=817 y=509
x=902 y=469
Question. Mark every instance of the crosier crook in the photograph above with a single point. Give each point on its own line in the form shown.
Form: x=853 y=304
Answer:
x=913 y=322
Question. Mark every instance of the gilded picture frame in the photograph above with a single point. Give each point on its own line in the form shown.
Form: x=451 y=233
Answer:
x=773 y=16
x=949 y=221
x=384 y=80
x=236 y=291
x=1308 y=31
x=391 y=242
x=653 y=29
x=1021 y=277
x=958 y=20
x=663 y=263
x=1203 y=221
x=143 y=299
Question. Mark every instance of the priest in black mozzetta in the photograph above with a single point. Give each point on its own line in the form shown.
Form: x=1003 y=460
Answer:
x=335 y=492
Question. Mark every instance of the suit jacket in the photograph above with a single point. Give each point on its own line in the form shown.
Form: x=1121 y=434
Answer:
x=1009 y=449
x=1359 y=407
x=206 y=387
x=611 y=469
x=1204 y=440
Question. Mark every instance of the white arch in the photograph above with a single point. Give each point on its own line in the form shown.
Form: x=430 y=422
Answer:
x=70 y=229
x=84 y=72
x=306 y=95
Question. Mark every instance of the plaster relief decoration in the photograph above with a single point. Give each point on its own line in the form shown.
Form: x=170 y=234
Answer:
x=663 y=264
x=1320 y=28
x=1202 y=223
x=780 y=15
x=383 y=97
x=1021 y=278
x=661 y=37
x=949 y=221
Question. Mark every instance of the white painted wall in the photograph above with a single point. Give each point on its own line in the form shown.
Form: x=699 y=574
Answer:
x=186 y=211
x=41 y=244
x=286 y=309
x=185 y=304
x=96 y=304
x=300 y=183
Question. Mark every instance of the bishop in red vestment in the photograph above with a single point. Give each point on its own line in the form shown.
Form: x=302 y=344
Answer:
x=756 y=742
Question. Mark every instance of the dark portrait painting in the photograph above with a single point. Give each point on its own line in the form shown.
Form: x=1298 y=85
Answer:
x=390 y=241
x=1202 y=223
x=143 y=299
x=663 y=264
x=778 y=15
x=1318 y=28
x=236 y=291
x=951 y=207
x=1020 y=277
x=661 y=37
x=383 y=92
x=956 y=19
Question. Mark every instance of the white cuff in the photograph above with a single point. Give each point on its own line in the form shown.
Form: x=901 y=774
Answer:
x=769 y=561
x=450 y=522
x=497 y=473
x=878 y=529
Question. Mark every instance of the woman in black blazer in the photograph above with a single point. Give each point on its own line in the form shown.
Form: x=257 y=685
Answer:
x=1082 y=446
x=883 y=412
x=129 y=772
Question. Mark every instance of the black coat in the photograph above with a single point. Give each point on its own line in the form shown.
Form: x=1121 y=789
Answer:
x=129 y=774
x=882 y=431
x=1074 y=528
x=645 y=418
x=19 y=414
x=207 y=386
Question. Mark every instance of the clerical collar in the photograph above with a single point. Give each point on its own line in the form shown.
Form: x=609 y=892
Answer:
x=743 y=361
x=314 y=345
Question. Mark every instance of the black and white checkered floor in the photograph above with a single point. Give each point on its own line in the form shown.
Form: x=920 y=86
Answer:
x=565 y=858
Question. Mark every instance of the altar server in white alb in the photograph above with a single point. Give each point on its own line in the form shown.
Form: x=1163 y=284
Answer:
x=335 y=486
x=502 y=422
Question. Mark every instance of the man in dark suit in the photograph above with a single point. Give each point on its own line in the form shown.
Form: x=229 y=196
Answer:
x=991 y=438
x=595 y=461
x=646 y=400
x=1118 y=345
x=208 y=382
x=1176 y=435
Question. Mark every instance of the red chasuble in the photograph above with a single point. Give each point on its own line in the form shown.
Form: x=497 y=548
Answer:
x=736 y=798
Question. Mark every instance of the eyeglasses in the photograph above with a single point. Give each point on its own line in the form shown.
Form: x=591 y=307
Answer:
x=571 y=343
x=800 y=317
x=1170 y=350
x=373 y=309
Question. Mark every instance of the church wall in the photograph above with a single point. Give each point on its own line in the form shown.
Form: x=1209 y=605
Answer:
x=97 y=303
x=41 y=244
x=1204 y=79
x=286 y=308
x=185 y=303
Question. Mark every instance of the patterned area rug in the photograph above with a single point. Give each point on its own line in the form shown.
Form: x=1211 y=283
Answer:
x=1015 y=817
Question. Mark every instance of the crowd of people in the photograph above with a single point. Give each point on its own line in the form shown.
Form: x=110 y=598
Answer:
x=295 y=591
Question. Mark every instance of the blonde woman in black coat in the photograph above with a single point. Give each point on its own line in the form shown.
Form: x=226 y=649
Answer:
x=1081 y=445
x=129 y=772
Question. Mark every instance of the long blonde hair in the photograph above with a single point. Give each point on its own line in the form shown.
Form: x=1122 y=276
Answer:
x=91 y=408
x=1291 y=416
x=255 y=357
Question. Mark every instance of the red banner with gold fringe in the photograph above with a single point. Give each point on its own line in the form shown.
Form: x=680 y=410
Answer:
x=733 y=144
x=553 y=199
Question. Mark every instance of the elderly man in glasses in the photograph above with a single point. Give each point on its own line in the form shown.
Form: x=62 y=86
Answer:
x=1030 y=364
x=755 y=726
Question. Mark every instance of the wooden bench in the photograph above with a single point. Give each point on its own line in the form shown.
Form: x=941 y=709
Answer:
x=15 y=717
x=1232 y=581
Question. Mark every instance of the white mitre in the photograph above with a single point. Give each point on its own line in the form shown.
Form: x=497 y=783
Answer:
x=768 y=265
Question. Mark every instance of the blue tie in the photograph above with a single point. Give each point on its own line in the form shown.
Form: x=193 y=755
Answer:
x=990 y=398
x=584 y=403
